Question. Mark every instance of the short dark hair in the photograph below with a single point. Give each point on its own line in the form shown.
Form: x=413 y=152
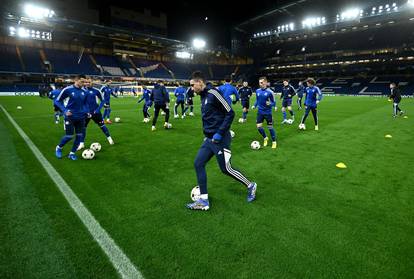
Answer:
x=80 y=76
x=227 y=79
x=311 y=81
x=264 y=78
x=198 y=75
x=393 y=84
x=286 y=80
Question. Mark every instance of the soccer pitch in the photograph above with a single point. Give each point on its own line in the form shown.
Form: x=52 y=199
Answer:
x=310 y=219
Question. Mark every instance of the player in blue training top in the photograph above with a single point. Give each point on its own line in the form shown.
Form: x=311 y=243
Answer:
x=264 y=103
x=287 y=94
x=217 y=117
x=312 y=99
x=228 y=90
x=93 y=96
x=75 y=112
x=189 y=103
x=146 y=97
x=107 y=92
x=52 y=95
x=245 y=93
x=300 y=91
x=180 y=100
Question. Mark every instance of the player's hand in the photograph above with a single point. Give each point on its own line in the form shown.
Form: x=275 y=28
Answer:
x=253 y=107
x=289 y=95
x=88 y=115
x=216 y=138
x=275 y=108
x=96 y=111
x=234 y=102
x=68 y=113
x=267 y=103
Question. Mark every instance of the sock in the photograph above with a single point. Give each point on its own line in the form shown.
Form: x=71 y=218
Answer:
x=64 y=140
x=262 y=131
x=272 y=133
x=105 y=130
x=204 y=196
x=76 y=143
x=191 y=109
x=291 y=112
x=109 y=113
x=244 y=115
x=284 y=115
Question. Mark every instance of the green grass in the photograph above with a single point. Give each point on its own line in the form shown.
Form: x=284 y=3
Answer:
x=311 y=220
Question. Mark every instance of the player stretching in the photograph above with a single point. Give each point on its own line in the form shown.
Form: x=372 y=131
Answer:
x=52 y=95
x=396 y=97
x=161 y=99
x=217 y=117
x=94 y=109
x=107 y=92
x=287 y=94
x=75 y=115
x=312 y=99
x=300 y=91
x=180 y=100
x=228 y=91
x=146 y=97
x=264 y=102
x=245 y=93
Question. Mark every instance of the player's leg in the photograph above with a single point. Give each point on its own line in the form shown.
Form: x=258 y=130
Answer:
x=144 y=111
x=292 y=114
x=305 y=115
x=97 y=118
x=259 y=125
x=167 y=113
x=203 y=156
x=79 y=126
x=182 y=108
x=269 y=120
x=315 y=117
x=284 y=112
x=176 y=110
x=156 y=113
x=82 y=142
x=65 y=139
x=223 y=156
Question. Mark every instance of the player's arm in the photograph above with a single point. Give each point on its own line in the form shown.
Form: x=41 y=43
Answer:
x=113 y=94
x=101 y=102
x=292 y=91
x=59 y=100
x=236 y=93
x=271 y=102
x=166 y=94
x=319 y=95
x=222 y=105
x=255 y=102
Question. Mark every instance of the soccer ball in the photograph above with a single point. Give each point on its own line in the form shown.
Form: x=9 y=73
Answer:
x=255 y=145
x=290 y=121
x=232 y=134
x=117 y=119
x=167 y=125
x=19 y=107
x=146 y=120
x=195 y=193
x=88 y=154
x=302 y=126
x=96 y=146
x=241 y=120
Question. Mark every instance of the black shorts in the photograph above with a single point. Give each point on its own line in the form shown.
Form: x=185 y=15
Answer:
x=245 y=104
x=286 y=103
x=74 y=126
x=261 y=117
x=97 y=118
x=190 y=102
x=179 y=102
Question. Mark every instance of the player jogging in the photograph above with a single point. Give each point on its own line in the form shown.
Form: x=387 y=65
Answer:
x=396 y=98
x=287 y=94
x=217 y=116
x=146 y=97
x=107 y=92
x=264 y=103
x=245 y=93
x=312 y=99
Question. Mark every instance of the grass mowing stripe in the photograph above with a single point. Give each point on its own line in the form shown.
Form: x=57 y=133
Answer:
x=119 y=260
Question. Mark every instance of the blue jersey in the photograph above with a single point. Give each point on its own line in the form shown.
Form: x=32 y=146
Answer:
x=180 y=93
x=300 y=90
x=107 y=92
x=94 y=99
x=54 y=93
x=146 y=96
x=313 y=94
x=160 y=95
x=245 y=93
x=217 y=115
x=228 y=90
x=75 y=99
x=264 y=101
x=288 y=92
